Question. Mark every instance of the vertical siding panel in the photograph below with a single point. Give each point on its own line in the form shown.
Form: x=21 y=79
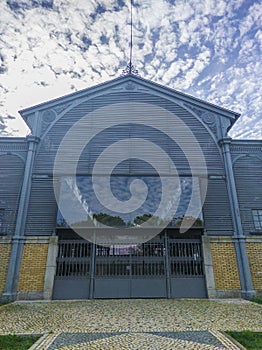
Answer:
x=248 y=178
x=42 y=211
x=11 y=179
x=217 y=213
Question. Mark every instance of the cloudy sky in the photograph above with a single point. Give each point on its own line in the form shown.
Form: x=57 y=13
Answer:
x=210 y=49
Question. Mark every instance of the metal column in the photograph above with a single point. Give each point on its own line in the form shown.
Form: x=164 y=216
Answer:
x=10 y=290
x=238 y=238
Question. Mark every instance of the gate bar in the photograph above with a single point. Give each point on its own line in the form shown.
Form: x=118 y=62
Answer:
x=92 y=271
x=168 y=275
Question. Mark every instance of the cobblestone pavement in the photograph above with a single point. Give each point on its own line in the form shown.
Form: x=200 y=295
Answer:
x=131 y=324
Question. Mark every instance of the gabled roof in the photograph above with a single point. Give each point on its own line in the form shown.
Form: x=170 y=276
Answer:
x=233 y=116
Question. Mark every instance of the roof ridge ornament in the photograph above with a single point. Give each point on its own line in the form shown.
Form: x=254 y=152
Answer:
x=130 y=68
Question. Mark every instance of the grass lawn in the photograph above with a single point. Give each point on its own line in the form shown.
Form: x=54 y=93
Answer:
x=17 y=342
x=257 y=300
x=250 y=340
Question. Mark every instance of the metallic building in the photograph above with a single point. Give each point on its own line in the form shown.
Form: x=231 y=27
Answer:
x=130 y=189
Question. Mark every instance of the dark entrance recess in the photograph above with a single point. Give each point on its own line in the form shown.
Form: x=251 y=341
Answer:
x=167 y=266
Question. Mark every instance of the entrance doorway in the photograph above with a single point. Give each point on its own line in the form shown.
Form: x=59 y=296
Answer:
x=163 y=267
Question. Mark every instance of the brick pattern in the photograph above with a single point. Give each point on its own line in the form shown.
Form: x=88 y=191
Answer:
x=225 y=266
x=5 y=251
x=254 y=252
x=33 y=268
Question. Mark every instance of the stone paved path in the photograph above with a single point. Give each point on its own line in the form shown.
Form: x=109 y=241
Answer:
x=131 y=324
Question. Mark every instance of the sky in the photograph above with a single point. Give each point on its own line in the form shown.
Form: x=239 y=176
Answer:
x=210 y=49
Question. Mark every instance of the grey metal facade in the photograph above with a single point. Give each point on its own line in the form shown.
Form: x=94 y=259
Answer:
x=234 y=167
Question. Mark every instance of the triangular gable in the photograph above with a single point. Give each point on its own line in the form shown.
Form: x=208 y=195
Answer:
x=129 y=83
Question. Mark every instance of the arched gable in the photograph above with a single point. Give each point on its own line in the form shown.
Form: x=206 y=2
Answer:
x=60 y=125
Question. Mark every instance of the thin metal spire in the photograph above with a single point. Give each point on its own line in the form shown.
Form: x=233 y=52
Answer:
x=131 y=36
x=130 y=69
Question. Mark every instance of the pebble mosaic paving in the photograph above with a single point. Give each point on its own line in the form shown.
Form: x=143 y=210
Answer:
x=135 y=324
x=165 y=340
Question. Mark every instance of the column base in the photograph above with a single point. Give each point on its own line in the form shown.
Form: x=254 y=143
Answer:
x=248 y=294
x=8 y=297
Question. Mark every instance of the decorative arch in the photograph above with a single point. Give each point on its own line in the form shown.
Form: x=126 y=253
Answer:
x=47 y=142
x=245 y=155
x=13 y=154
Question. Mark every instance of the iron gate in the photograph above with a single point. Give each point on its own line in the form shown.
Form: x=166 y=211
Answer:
x=73 y=270
x=162 y=267
x=131 y=271
x=186 y=269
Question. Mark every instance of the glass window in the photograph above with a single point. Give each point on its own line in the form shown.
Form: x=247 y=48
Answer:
x=257 y=217
x=81 y=206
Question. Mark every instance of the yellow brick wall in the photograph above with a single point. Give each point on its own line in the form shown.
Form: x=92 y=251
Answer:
x=5 y=251
x=225 y=266
x=33 y=268
x=254 y=253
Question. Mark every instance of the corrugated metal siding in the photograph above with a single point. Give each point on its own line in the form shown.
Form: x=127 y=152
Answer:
x=44 y=162
x=248 y=179
x=11 y=179
x=217 y=213
x=133 y=165
x=42 y=209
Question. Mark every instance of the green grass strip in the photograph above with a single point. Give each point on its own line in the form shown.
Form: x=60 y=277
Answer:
x=17 y=342
x=250 y=340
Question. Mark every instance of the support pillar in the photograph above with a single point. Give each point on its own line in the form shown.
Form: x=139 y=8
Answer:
x=239 y=239
x=50 y=267
x=208 y=266
x=10 y=290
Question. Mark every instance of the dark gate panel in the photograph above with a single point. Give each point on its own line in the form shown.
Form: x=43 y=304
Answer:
x=136 y=271
x=186 y=269
x=71 y=288
x=73 y=270
x=159 y=268
x=149 y=270
x=112 y=272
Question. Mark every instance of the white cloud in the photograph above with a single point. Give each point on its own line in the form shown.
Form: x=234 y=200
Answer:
x=208 y=48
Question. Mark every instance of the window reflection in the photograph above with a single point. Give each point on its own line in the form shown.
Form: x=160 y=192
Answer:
x=81 y=208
